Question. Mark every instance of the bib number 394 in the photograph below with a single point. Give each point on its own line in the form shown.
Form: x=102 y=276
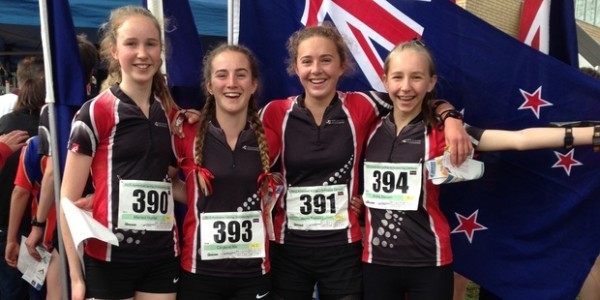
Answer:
x=394 y=186
x=145 y=205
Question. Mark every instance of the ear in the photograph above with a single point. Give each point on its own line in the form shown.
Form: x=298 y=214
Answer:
x=254 y=85
x=385 y=81
x=113 y=51
x=432 y=83
x=208 y=87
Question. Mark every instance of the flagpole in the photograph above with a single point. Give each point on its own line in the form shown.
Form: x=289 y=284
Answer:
x=45 y=34
x=230 y=19
x=156 y=7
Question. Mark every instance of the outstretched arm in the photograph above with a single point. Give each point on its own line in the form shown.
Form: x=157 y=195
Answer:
x=532 y=138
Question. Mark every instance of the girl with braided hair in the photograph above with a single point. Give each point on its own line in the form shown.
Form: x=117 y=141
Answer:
x=225 y=162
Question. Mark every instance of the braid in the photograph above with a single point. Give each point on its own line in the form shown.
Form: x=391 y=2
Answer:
x=206 y=114
x=260 y=136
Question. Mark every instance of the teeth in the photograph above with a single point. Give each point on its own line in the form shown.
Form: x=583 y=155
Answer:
x=406 y=97
x=232 y=94
x=317 y=80
x=143 y=66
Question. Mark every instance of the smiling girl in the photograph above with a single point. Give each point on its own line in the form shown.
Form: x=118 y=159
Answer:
x=123 y=137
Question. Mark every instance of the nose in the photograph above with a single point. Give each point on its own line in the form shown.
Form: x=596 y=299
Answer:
x=142 y=51
x=231 y=80
x=315 y=67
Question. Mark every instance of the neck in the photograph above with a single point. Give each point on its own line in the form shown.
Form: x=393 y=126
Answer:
x=139 y=93
x=232 y=125
x=401 y=119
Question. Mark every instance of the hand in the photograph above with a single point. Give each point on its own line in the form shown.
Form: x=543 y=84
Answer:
x=14 y=139
x=34 y=239
x=357 y=205
x=192 y=116
x=457 y=140
x=85 y=203
x=11 y=254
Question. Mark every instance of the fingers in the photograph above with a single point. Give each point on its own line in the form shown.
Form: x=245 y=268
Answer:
x=15 y=139
x=357 y=205
x=178 y=123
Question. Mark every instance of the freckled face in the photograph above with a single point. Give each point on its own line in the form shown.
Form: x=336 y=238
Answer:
x=232 y=82
x=408 y=80
x=138 y=50
x=319 y=68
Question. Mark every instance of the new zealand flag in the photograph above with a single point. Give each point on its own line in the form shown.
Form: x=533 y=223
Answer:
x=529 y=228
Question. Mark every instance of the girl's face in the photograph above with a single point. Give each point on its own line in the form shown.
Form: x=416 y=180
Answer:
x=319 y=68
x=231 y=82
x=138 y=50
x=408 y=79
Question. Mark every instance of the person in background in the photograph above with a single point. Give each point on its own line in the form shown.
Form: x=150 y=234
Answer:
x=124 y=138
x=25 y=116
x=407 y=251
x=40 y=185
x=317 y=141
x=8 y=100
x=11 y=142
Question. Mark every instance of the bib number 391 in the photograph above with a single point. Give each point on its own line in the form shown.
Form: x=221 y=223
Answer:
x=317 y=208
x=145 y=205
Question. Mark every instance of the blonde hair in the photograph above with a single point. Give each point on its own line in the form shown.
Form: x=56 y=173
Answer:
x=109 y=38
x=209 y=110
x=418 y=46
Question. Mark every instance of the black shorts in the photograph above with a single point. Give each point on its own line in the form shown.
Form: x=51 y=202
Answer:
x=387 y=282
x=337 y=270
x=197 y=286
x=118 y=280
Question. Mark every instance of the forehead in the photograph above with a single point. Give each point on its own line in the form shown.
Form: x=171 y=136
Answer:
x=230 y=60
x=138 y=26
x=409 y=59
x=317 y=45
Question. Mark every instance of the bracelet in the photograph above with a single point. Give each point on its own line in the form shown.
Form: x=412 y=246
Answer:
x=596 y=138
x=451 y=113
x=34 y=222
x=568 y=137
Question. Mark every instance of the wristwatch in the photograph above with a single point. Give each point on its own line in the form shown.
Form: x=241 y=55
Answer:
x=34 y=222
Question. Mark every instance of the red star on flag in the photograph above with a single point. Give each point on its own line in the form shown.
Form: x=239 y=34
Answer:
x=468 y=225
x=566 y=161
x=534 y=101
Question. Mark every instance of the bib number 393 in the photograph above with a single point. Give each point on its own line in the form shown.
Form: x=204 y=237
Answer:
x=145 y=205
x=317 y=208
x=232 y=235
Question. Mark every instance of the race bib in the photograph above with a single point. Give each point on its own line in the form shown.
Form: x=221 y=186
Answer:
x=145 y=205
x=317 y=207
x=232 y=235
x=394 y=186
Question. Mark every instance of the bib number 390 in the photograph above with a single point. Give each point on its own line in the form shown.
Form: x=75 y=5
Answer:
x=145 y=205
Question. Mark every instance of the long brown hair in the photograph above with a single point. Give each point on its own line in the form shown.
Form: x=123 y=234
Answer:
x=209 y=110
x=109 y=38
x=32 y=87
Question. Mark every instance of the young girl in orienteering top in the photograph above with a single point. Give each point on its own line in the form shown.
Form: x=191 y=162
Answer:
x=225 y=248
x=407 y=250
x=318 y=138
x=123 y=136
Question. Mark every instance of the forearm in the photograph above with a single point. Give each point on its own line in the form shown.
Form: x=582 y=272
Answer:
x=70 y=249
x=18 y=205
x=533 y=138
x=47 y=198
